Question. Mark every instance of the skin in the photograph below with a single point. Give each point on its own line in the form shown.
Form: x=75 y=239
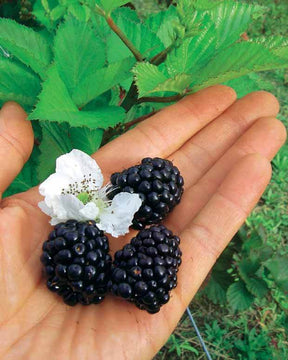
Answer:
x=223 y=148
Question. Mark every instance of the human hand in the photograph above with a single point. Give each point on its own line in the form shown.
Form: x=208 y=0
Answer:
x=222 y=148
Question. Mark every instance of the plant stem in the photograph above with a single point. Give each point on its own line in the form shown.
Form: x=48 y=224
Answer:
x=131 y=97
x=138 y=56
x=161 y=57
x=121 y=128
x=159 y=99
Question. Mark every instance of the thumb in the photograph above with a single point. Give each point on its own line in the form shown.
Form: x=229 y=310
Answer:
x=16 y=142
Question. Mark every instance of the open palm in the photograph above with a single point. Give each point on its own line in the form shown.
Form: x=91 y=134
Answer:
x=222 y=148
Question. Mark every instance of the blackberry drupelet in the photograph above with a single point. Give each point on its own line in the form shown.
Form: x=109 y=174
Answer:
x=76 y=262
x=145 y=271
x=159 y=184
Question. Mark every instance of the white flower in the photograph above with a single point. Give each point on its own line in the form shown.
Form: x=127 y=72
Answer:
x=75 y=191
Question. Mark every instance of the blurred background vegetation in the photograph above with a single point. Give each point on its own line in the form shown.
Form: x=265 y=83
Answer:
x=259 y=332
x=242 y=310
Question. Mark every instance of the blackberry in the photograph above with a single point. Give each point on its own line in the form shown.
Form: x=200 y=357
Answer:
x=76 y=262
x=159 y=185
x=145 y=271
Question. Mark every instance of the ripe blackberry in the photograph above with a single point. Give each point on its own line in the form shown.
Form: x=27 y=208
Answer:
x=145 y=270
x=76 y=262
x=159 y=184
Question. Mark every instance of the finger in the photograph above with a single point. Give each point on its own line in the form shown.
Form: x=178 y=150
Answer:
x=166 y=131
x=206 y=147
x=208 y=234
x=16 y=142
x=161 y=134
x=265 y=137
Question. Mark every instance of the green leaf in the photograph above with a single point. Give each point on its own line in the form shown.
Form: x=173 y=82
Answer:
x=78 y=52
x=279 y=270
x=235 y=61
x=102 y=100
x=147 y=77
x=206 y=4
x=101 y=118
x=53 y=100
x=80 y=11
x=163 y=23
x=57 y=13
x=101 y=80
x=278 y=45
x=85 y=139
x=255 y=247
x=188 y=5
x=239 y=298
x=231 y=19
x=189 y=17
x=26 y=179
x=25 y=44
x=215 y=291
x=247 y=268
x=193 y=52
x=185 y=8
x=55 y=143
x=145 y=40
x=177 y=84
x=100 y=27
x=49 y=12
x=59 y=139
x=128 y=14
x=55 y=104
x=282 y=52
x=256 y=285
x=220 y=27
x=271 y=42
x=46 y=5
x=110 y=5
x=18 y=83
x=220 y=278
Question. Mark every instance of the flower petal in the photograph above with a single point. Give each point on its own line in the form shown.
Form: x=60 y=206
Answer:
x=70 y=206
x=45 y=208
x=90 y=211
x=62 y=208
x=66 y=207
x=76 y=172
x=76 y=164
x=54 y=185
x=117 y=218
